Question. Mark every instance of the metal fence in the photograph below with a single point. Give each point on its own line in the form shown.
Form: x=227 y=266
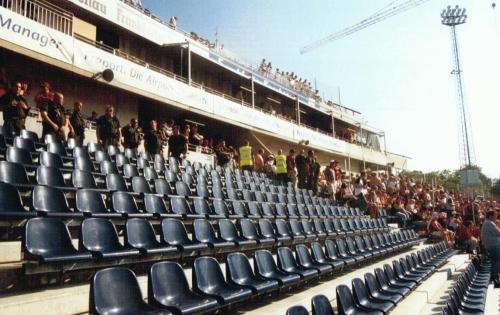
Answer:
x=42 y=12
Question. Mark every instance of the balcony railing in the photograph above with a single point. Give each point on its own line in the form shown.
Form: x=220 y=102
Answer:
x=42 y=12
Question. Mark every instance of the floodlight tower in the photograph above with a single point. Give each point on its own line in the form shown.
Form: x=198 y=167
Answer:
x=452 y=17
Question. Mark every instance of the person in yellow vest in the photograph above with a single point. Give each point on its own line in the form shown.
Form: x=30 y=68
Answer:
x=246 y=157
x=281 y=170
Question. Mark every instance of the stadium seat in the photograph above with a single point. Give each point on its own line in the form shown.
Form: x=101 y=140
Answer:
x=364 y=300
x=346 y=304
x=100 y=237
x=385 y=285
x=125 y=204
x=204 y=232
x=55 y=147
x=51 y=160
x=25 y=143
x=48 y=240
x=180 y=206
x=83 y=164
x=101 y=156
x=116 y=291
x=108 y=167
x=93 y=147
x=139 y=233
x=115 y=182
x=49 y=176
x=13 y=173
x=379 y=294
x=130 y=170
x=11 y=205
x=168 y=288
x=320 y=257
x=209 y=280
x=321 y=305
x=287 y=263
x=17 y=155
x=239 y=272
x=305 y=260
x=173 y=232
x=297 y=310
x=140 y=185
x=90 y=202
x=155 y=205
x=228 y=232
x=249 y=231
x=50 y=201
x=163 y=187
x=83 y=179
x=27 y=134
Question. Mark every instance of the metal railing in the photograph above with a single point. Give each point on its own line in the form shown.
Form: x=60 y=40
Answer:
x=42 y=12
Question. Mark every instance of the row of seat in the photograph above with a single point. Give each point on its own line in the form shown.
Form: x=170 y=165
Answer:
x=382 y=290
x=168 y=289
x=47 y=240
x=468 y=296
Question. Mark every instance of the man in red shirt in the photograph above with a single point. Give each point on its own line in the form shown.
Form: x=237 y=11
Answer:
x=44 y=96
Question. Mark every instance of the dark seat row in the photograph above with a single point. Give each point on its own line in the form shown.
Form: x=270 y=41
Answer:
x=468 y=296
x=47 y=240
x=380 y=292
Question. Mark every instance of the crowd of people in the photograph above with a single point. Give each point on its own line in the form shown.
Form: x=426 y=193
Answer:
x=288 y=79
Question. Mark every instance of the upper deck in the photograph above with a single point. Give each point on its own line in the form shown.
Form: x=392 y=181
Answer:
x=152 y=59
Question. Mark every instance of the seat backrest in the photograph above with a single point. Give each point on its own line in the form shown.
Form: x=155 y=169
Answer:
x=115 y=182
x=93 y=147
x=203 y=231
x=207 y=274
x=321 y=305
x=318 y=253
x=264 y=262
x=124 y=202
x=255 y=208
x=173 y=232
x=56 y=148
x=266 y=228
x=27 y=134
x=49 y=199
x=113 y=150
x=115 y=290
x=282 y=228
x=201 y=206
x=23 y=143
x=162 y=187
x=248 y=229
x=83 y=179
x=381 y=277
x=11 y=199
x=238 y=267
x=130 y=153
x=345 y=301
x=359 y=290
x=286 y=261
x=139 y=233
x=88 y=200
x=81 y=152
x=167 y=281
x=240 y=207
x=121 y=159
x=179 y=205
x=297 y=310
x=17 y=155
x=371 y=283
x=296 y=227
x=49 y=176
x=140 y=185
x=47 y=237
x=130 y=170
x=303 y=255
x=150 y=173
x=154 y=204
x=108 y=167
x=101 y=156
x=142 y=163
x=182 y=189
x=83 y=164
x=227 y=230
x=50 y=159
x=13 y=173
x=99 y=235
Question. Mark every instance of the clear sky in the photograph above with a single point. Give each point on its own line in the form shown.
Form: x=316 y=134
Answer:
x=397 y=73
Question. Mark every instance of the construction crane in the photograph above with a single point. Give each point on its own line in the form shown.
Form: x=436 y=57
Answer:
x=388 y=11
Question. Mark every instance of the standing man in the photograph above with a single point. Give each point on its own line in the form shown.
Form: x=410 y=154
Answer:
x=281 y=171
x=490 y=238
x=330 y=178
x=258 y=161
x=290 y=167
x=153 y=139
x=53 y=118
x=300 y=163
x=246 y=162
x=313 y=171
x=78 y=123
x=108 y=128
x=45 y=95
x=177 y=144
x=132 y=135
x=15 y=108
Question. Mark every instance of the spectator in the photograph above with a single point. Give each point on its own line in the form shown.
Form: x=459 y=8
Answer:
x=436 y=229
x=290 y=167
x=301 y=163
x=397 y=210
x=195 y=138
x=281 y=171
x=270 y=167
x=93 y=117
x=258 y=161
x=154 y=139
x=223 y=153
x=313 y=173
x=465 y=236
x=44 y=96
x=490 y=238
x=132 y=135
x=168 y=127
x=78 y=123
x=329 y=174
x=53 y=118
x=173 y=22
x=108 y=128
x=15 y=109
x=246 y=162
x=177 y=144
